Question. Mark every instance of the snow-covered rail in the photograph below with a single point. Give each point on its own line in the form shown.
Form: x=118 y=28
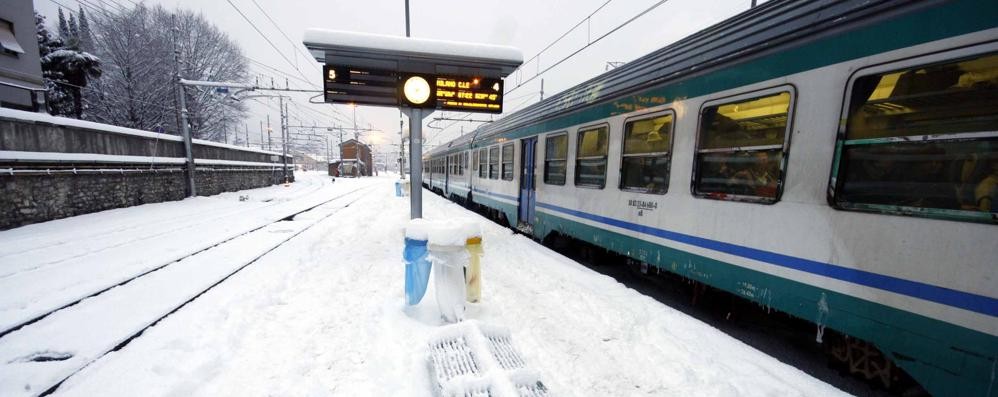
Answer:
x=36 y=358
x=40 y=283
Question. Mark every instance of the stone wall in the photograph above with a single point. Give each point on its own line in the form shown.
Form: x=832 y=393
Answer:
x=52 y=168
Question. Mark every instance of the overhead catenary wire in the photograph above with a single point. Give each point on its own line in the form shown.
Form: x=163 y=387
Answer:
x=589 y=44
x=297 y=49
x=267 y=39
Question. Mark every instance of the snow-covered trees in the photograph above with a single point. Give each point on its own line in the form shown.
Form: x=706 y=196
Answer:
x=138 y=89
x=67 y=70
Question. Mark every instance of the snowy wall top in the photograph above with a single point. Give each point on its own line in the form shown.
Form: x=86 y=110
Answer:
x=90 y=125
x=369 y=42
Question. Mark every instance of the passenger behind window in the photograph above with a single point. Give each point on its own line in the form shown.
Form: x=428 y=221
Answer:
x=760 y=177
x=986 y=192
x=929 y=186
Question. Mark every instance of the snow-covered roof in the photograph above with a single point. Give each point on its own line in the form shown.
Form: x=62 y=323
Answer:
x=411 y=46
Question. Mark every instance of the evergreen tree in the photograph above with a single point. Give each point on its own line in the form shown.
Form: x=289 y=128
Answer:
x=85 y=40
x=73 y=40
x=63 y=26
x=66 y=70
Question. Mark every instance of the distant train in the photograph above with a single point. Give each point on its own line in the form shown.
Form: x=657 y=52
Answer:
x=834 y=160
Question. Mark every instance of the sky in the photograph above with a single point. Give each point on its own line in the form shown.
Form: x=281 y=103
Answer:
x=529 y=25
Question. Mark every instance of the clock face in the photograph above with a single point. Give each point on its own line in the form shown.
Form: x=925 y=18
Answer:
x=417 y=90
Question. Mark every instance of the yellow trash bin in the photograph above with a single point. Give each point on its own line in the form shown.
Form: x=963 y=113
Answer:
x=474 y=276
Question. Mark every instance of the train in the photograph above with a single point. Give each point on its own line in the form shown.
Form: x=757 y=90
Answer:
x=836 y=161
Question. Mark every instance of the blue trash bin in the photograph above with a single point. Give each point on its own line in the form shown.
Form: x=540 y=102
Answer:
x=417 y=266
x=398 y=188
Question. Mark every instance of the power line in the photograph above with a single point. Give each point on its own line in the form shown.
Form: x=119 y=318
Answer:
x=589 y=44
x=267 y=15
x=265 y=37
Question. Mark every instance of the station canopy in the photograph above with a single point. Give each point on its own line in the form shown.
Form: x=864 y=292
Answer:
x=383 y=70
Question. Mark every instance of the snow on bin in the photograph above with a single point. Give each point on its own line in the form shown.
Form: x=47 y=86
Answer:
x=448 y=253
x=417 y=265
x=473 y=243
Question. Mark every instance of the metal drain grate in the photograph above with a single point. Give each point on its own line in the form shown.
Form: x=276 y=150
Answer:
x=472 y=360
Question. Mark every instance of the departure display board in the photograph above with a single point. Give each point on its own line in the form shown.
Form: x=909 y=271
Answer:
x=352 y=85
x=468 y=94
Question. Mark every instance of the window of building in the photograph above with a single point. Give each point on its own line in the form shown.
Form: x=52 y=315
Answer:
x=741 y=148
x=922 y=140
x=591 y=154
x=8 y=42
x=555 y=159
x=494 y=162
x=483 y=159
x=507 y=162
x=646 y=154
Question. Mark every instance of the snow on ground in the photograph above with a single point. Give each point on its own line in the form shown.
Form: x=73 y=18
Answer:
x=47 y=265
x=323 y=315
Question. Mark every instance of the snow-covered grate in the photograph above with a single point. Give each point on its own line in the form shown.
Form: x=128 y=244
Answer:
x=451 y=358
x=471 y=360
x=501 y=347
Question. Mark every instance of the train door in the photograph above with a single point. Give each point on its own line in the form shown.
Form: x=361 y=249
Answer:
x=449 y=163
x=528 y=194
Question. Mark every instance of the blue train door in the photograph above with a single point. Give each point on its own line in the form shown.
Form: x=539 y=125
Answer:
x=528 y=195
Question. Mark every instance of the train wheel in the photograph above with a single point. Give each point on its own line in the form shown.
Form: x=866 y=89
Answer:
x=860 y=357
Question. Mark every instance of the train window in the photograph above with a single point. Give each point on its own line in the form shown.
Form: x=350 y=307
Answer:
x=591 y=154
x=494 y=162
x=483 y=159
x=507 y=162
x=474 y=161
x=555 y=159
x=922 y=140
x=741 y=149
x=646 y=154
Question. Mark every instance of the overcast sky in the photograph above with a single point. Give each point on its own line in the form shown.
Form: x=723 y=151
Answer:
x=529 y=25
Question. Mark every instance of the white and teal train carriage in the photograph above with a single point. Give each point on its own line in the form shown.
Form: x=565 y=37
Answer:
x=834 y=160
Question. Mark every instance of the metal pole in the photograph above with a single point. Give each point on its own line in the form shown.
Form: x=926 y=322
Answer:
x=416 y=163
x=188 y=147
x=542 y=89
x=246 y=125
x=407 y=18
x=284 y=142
x=270 y=145
x=261 y=134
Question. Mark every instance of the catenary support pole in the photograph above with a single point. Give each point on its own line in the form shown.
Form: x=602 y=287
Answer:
x=185 y=128
x=284 y=142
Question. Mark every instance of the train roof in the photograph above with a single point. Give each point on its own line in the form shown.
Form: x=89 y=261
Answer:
x=771 y=27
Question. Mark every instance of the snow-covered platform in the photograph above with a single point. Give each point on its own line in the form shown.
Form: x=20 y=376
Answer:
x=322 y=314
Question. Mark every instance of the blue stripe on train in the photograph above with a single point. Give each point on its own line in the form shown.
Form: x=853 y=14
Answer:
x=964 y=300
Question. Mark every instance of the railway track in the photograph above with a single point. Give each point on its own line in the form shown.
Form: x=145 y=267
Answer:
x=28 y=292
x=37 y=356
x=163 y=227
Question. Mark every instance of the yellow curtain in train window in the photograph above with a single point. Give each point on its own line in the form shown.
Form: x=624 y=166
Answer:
x=593 y=142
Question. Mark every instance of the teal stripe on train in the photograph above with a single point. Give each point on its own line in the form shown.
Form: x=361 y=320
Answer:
x=946 y=20
x=961 y=359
